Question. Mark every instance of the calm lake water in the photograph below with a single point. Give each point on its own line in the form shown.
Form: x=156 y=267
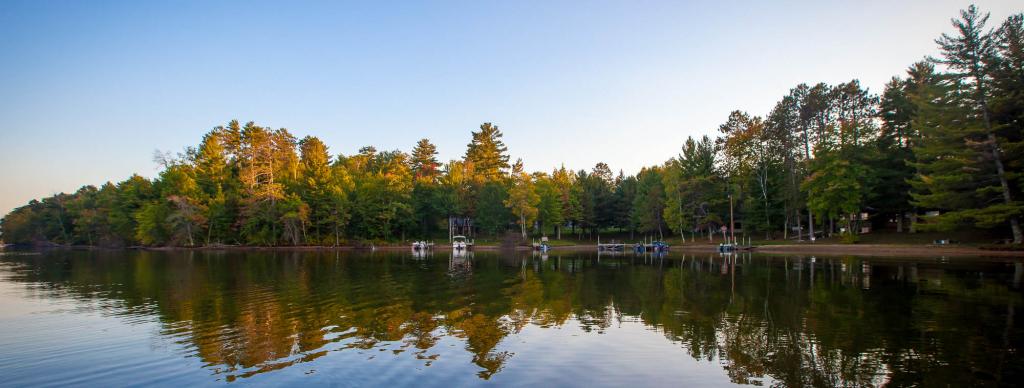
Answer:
x=114 y=318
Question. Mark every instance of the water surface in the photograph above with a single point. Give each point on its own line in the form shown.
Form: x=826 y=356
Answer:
x=113 y=318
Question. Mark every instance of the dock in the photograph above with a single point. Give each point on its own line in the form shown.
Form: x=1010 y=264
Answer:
x=616 y=247
x=725 y=248
x=610 y=247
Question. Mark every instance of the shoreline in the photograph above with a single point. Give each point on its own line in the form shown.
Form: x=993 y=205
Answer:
x=889 y=250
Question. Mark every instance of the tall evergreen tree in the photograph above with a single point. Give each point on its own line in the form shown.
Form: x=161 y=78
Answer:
x=487 y=152
x=424 y=160
x=649 y=205
x=324 y=189
x=969 y=55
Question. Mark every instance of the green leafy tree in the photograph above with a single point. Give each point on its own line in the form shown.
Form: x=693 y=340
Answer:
x=563 y=180
x=753 y=157
x=649 y=205
x=549 y=207
x=87 y=216
x=522 y=201
x=383 y=188
x=837 y=187
x=323 y=193
x=694 y=190
x=153 y=228
x=492 y=216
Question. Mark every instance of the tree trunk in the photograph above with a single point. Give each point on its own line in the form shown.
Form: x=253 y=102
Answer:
x=1007 y=198
x=799 y=227
x=785 y=229
x=522 y=223
x=767 y=215
x=810 y=224
x=807 y=154
x=993 y=144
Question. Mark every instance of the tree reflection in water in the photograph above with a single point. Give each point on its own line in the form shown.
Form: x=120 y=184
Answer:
x=783 y=320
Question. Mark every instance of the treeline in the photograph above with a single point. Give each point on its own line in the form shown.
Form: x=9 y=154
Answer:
x=939 y=149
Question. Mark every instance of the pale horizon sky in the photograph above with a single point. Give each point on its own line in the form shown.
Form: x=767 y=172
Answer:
x=91 y=89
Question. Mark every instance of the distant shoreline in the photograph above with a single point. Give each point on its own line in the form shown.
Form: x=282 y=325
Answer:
x=889 y=250
x=877 y=250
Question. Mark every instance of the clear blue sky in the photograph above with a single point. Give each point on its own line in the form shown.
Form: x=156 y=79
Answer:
x=89 y=89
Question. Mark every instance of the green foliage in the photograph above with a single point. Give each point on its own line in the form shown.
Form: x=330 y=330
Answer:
x=424 y=160
x=549 y=206
x=837 y=188
x=950 y=141
x=153 y=228
x=487 y=153
x=649 y=204
x=492 y=216
x=522 y=201
x=323 y=190
x=382 y=198
x=694 y=189
x=968 y=160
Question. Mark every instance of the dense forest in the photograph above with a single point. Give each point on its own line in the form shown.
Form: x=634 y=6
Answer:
x=938 y=149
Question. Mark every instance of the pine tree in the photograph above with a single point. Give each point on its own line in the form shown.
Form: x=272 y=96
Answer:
x=216 y=178
x=424 y=160
x=563 y=180
x=649 y=205
x=891 y=193
x=693 y=188
x=969 y=55
x=323 y=189
x=487 y=152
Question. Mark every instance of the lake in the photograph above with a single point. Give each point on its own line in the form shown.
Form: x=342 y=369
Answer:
x=186 y=318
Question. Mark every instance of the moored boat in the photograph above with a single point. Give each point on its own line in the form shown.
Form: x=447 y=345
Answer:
x=461 y=243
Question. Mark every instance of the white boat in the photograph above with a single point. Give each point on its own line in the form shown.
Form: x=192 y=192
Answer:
x=542 y=246
x=460 y=243
x=421 y=245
